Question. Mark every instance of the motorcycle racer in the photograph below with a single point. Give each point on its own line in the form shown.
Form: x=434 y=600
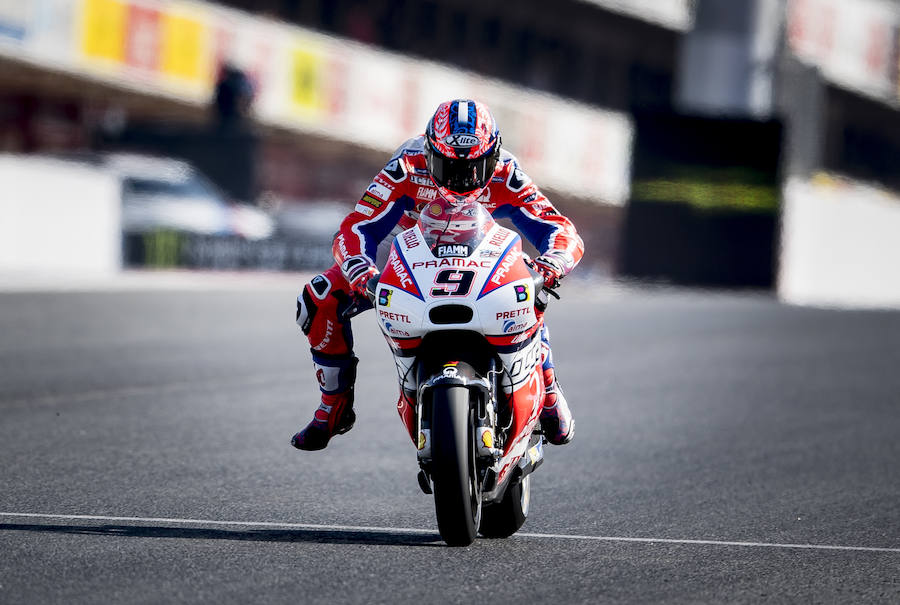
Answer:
x=458 y=158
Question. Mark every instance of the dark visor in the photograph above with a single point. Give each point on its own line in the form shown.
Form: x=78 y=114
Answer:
x=459 y=175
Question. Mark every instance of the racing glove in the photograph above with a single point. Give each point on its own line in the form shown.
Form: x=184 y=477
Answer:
x=551 y=268
x=358 y=270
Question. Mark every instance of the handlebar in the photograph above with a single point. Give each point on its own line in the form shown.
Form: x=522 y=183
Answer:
x=358 y=304
x=540 y=298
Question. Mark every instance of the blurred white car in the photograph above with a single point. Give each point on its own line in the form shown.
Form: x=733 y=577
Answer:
x=161 y=193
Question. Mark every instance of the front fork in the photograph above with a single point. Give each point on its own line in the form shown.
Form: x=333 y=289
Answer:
x=488 y=435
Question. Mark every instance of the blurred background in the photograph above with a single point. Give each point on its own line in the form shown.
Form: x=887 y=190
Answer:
x=716 y=143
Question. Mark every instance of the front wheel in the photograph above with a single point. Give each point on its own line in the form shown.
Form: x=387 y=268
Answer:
x=503 y=519
x=457 y=500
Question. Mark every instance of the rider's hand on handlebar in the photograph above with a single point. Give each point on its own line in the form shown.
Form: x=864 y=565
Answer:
x=551 y=268
x=358 y=285
x=358 y=271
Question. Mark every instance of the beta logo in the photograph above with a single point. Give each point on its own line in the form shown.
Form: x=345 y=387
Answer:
x=394 y=331
x=384 y=297
x=379 y=191
x=511 y=326
x=521 y=293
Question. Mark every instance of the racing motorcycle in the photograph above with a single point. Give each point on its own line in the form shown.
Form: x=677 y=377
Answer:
x=457 y=305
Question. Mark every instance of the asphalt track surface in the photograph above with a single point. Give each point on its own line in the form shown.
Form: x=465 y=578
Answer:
x=729 y=449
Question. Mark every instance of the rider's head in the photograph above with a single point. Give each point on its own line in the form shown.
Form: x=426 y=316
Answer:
x=462 y=145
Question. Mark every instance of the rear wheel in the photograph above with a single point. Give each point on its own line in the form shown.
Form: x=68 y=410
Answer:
x=504 y=518
x=457 y=500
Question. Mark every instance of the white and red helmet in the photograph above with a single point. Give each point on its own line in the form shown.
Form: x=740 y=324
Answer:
x=462 y=146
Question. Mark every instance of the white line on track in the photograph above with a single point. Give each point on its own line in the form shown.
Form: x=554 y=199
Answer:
x=413 y=530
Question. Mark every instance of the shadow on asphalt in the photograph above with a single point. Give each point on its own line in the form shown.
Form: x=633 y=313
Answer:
x=319 y=536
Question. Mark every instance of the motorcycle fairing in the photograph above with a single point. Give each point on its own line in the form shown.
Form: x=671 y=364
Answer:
x=396 y=273
x=413 y=276
x=507 y=270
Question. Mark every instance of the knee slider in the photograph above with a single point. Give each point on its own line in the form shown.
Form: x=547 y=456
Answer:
x=317 y=289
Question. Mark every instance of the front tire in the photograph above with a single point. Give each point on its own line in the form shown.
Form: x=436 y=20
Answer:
x=457 y=500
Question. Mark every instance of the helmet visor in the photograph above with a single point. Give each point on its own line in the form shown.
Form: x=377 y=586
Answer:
x=460 y=175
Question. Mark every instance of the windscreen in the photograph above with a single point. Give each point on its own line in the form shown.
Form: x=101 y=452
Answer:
x=445 y=223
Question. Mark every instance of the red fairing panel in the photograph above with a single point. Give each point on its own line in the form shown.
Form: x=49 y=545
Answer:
x=507 y=270
x=397 y=274
x=525 y=413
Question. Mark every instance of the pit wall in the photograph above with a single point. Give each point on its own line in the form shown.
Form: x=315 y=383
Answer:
x=58 y=218
x=839 y=244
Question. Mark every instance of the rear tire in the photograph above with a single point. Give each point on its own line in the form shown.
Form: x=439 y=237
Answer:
x=457 y=500
x=504 y=518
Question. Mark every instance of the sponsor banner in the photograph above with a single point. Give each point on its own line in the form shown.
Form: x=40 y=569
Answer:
x=14 y=20
x=318 y=84
x=160 y=249
x=375 y=109
x=143 y=42
x=851 y=41
x=103 y=30
x=185 y=47
x=52 y=33
x=247 y=44
x=161 y=47
x=672 y=14
x=307 y=80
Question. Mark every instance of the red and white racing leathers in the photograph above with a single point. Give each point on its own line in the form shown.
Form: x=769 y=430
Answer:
x=391 y=204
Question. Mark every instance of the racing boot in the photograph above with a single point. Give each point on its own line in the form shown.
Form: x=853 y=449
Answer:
x=556 y=419
x=335 y=415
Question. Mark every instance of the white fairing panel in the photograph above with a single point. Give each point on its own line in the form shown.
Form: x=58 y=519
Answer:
x=474 y=281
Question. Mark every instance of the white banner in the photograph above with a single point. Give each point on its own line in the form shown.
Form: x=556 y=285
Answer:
x=673 y=14
x=851 y=41
x=839 y=244
x=314 y=83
